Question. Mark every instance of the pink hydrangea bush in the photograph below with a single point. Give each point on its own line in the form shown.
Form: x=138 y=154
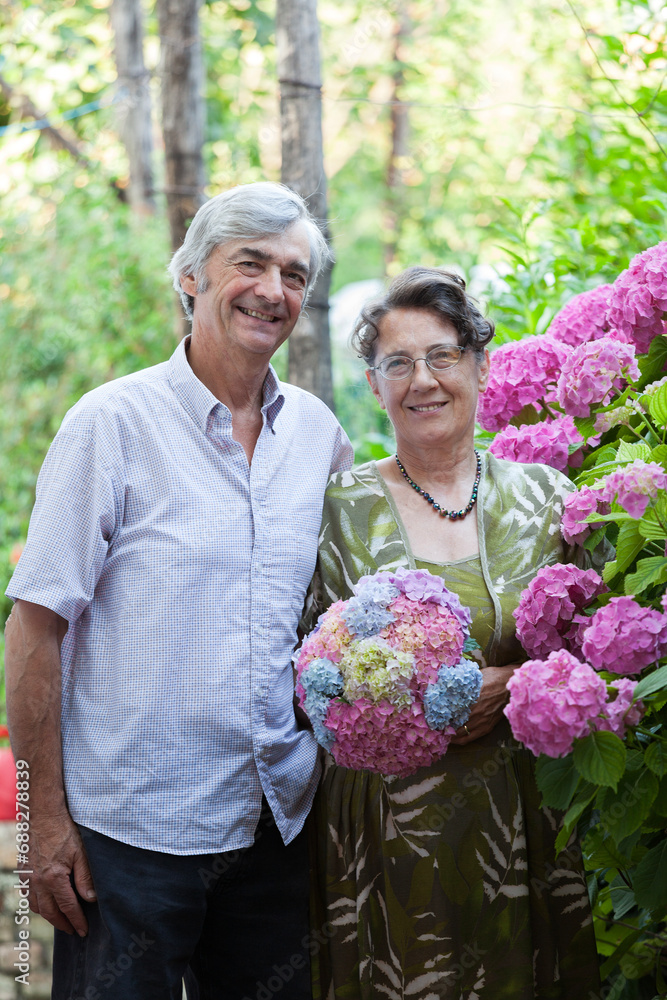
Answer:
x=592 y=373
x=397 y=741
x=583 y=319
x=576 y=508
x=633 y=486
x=549 y=617
x=623 y=637
x=638 y=298
x=553 y=702
x=522 y=374
x=546 y=442
x=620 y=713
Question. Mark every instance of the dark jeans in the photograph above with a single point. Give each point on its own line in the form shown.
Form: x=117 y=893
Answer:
x=235 y=924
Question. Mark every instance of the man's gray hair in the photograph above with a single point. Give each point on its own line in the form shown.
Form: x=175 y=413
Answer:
x=247 y=212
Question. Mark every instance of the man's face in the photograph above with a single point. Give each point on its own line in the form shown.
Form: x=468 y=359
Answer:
x=254 y=292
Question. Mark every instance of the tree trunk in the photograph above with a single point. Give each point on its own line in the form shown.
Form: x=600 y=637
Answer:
x=297 y=37
x=134 y=110
x=399 y=141
x=182 y=73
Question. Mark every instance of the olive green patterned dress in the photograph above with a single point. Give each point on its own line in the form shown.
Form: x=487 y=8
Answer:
x=445 y=884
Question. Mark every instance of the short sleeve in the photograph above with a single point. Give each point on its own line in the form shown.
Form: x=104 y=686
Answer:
x=74 y=518
x=342 y=455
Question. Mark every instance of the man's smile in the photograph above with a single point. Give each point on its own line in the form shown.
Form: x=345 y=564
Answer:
x=259 y=315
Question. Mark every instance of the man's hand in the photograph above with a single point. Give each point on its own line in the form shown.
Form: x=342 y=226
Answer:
x=33 y=637
x=55 y=851
x=488 y=711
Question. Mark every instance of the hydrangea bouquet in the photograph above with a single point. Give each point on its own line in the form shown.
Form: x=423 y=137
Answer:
x=384 y=678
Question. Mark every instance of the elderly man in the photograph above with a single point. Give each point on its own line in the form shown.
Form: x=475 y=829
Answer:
x=149 y=679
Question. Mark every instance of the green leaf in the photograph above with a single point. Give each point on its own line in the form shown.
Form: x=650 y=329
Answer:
x=594 y=539
x=660 y=804
x=653 y=364
x=650 y=527
x=657 y=406
x=657 y=681
x=656 y=758
x=600 y=758
x=650 y=879
x=557 y=779
x=623 y=810
x=622 y=898
x=610 y=964
x=649 y=572
x=617 y=517
x=628 y=451
x=582 y=799
x=628 y=546
x=585 y=426
x=602 y=852
x=638 y=962
x=659 y=455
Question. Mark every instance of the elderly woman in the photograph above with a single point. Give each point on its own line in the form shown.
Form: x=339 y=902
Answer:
x=445 y=884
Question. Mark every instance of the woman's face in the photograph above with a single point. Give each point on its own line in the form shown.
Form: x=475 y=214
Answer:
x=428 y=409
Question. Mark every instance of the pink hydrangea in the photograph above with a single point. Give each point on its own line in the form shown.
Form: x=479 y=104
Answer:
x=330 y=640
x=638 y=298
x=633 y=486
x=593 y=372
x=577 y=507
x=523 y=373
x=623 y=637
x=430 y=632
x=547 y=617
x=553 y=702
x=546 y=442
x=583 y=319
x=619 y=712
x=397 y=741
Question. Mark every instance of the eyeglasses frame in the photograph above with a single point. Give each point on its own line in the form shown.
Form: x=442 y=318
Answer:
x=399 y=378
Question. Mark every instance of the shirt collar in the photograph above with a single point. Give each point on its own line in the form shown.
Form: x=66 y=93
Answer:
x=199 y=401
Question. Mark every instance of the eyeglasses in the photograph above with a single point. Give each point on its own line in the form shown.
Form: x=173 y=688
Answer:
x=438 y=360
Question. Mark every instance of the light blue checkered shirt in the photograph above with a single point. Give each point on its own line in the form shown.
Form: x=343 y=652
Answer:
x=182 y=572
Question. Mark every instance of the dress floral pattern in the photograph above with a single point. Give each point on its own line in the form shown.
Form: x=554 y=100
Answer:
x=444 y=885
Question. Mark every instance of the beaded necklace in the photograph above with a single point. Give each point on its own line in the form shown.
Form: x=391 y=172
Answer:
x=453 y=515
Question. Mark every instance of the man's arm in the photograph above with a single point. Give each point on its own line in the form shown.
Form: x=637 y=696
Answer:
x=34 y=635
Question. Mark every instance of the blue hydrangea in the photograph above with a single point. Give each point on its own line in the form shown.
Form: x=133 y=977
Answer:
x=322 y=681
x=323 y=677
x=316 y=706
x=371 y=589
x=449 y=701
x=365 y=618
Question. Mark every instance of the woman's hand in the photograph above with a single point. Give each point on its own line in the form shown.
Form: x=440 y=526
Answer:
x=488 y=711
